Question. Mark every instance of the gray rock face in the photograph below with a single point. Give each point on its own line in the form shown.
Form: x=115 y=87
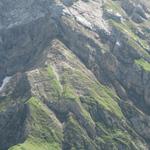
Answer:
x=139 y=121
x=22 y=12
x=25 y=35
x=12 y=126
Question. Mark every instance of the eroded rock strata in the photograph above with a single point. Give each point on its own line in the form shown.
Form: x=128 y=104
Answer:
x=79 y=75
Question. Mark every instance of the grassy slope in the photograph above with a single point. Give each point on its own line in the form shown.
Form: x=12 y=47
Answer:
x=143 y=64
x=66 y=88
x=44 y=133
x=75 y=77
x=76 y=84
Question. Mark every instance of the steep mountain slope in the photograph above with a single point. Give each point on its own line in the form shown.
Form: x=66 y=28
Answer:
x=75 y=75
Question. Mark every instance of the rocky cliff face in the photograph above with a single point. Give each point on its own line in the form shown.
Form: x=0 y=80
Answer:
x=74 y=75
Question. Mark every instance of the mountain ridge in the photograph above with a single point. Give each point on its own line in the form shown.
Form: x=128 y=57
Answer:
x=79 y=72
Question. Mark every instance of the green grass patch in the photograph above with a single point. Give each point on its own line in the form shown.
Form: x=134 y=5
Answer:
x=102 y=94
x=55 y=84
x=118 y=137
x=68 y=92
x=44 y=133
x=143 y=64
x=114 y=6
x=36 y=144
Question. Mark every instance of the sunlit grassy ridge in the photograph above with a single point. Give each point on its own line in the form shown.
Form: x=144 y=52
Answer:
x=144 y=64
x=44 y=132
x=36 y=144
x=114 y=6
x=72 y=86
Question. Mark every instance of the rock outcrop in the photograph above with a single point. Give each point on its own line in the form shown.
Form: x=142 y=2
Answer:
x=80 y=74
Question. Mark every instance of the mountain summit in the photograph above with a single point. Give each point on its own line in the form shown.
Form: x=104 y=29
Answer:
x=74 y=75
